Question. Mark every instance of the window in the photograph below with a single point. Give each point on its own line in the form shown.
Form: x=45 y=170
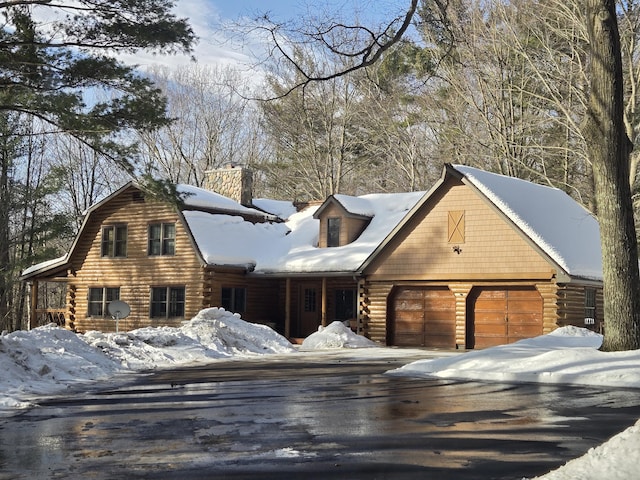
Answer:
x=167 y=302
x=162 y=239
x=333 y=232
x=114 y=241
x=99 y=298
x=345 y=304
x=309 y=300
x=234 y=299
x=589 y=306
x=456 y=226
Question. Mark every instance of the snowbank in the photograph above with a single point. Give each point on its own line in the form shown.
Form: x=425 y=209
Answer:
x=569 y=355
x=335 y=335
x=616 y=459
x=50 y=359
x=213 y=333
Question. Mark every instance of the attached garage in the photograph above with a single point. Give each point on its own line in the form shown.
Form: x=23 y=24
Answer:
x=502 y=315
x=423 y=317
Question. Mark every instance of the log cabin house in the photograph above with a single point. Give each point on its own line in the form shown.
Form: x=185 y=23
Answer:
x=479 y=260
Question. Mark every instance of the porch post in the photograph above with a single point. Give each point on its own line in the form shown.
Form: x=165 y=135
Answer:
x=324 y=301
x=33 y=285
x=287 y=308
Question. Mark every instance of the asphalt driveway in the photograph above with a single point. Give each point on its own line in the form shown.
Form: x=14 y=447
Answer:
x=311 y=416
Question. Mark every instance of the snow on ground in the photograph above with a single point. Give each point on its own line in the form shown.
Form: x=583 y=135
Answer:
x=49 y=360
x=335 y=335
x=569 y=355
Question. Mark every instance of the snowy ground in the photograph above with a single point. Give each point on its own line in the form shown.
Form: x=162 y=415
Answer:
x=50 y=360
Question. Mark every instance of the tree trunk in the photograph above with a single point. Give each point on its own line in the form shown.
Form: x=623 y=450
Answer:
x=609 y=150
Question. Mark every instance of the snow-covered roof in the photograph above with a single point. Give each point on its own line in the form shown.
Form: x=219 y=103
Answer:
x=566 y=231
x=561 y=228
x=200 y=198
x=291 y=247
x=356 y=205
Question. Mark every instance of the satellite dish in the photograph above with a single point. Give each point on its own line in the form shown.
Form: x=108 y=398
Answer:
x=119 y=309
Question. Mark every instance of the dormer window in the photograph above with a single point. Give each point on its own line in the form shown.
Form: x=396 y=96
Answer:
x=342 y=220
x=333 y=231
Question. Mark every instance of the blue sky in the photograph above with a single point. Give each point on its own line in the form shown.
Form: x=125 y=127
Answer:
x=211 y=20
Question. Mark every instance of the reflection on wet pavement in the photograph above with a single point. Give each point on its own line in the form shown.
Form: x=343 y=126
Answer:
x=310 y=417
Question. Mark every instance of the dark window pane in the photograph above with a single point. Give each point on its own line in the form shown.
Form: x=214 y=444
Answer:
x=155 y=232
x=120 y=249
x=234 y=299
x=345 y=304
x=107 y=241
x=309 y=300
x=169 y=239
x=333 y=232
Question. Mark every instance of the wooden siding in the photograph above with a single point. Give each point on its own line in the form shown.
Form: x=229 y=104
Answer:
x=571 y=307
x=373 y=310
x=350 y=227
x=137 y=272
x=492 y=247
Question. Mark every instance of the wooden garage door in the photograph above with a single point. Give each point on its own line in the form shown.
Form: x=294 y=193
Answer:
x=503 y=315
x=424 y=317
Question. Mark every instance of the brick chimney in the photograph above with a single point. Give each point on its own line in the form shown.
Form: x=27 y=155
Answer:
x=232 y=181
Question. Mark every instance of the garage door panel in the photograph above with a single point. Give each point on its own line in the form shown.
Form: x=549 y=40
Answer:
x=518 y=332
x=424 y=316
x=405 y=339
x=442 y=328
x=409 y=316
x=503 y=315
x=525 y=317
x=411 y=305
x=491 y=329
x=410 y=327
x=489 y=318
x=487 y=342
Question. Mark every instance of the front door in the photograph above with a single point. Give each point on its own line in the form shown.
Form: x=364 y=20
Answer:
x=309 y=318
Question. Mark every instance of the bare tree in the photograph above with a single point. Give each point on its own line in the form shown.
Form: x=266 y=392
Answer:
x=607 y=142
x=212 y=126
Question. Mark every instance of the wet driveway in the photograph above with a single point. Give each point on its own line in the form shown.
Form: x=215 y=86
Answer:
x=312 y=417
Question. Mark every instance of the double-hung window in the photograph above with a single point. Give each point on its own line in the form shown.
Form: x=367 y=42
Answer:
x=114 y=241
x=167 y=302
x=162 y=239
x=99 y=298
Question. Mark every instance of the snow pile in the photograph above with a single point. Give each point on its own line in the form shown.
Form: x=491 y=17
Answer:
x=569 y=355
x=50 y=359
x=213 y=333
x=335 y=335
x=613 y=460
x=46 y=359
